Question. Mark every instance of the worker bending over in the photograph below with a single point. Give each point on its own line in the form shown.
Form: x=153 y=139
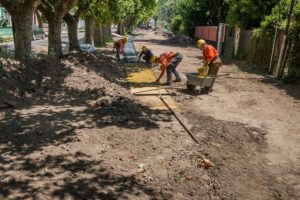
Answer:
x=211 y=57
x=147 y=54
x=169 y=61
x=120 y=46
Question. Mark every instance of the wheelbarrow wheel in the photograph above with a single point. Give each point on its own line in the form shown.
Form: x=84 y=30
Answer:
x=190 y=87
x=206 y=90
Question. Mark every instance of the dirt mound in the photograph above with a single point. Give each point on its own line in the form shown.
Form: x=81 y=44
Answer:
x=91 y=79
x=10 y=72
x=181 y=40
x=18 y=81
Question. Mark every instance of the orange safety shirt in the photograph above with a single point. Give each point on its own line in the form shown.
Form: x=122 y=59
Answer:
x=165 y=59
x=209 y=53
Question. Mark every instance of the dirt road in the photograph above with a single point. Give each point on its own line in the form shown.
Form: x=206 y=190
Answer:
x=250 y=124
x=76 y=132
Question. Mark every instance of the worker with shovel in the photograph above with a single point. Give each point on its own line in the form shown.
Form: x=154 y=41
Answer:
x=147 y=54
x=211 y=57
x=169 y=62
x=119 y=45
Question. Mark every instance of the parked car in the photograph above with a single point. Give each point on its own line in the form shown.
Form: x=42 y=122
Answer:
x=38 y=34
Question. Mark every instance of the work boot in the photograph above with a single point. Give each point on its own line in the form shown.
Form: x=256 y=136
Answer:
x=177 y=80
x=167 y=84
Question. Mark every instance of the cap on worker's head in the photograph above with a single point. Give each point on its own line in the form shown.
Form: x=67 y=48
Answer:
x=144 y=48
x=125 y=40
x=200 y=43
x=153 y=59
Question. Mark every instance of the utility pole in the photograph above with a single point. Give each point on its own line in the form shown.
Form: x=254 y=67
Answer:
x=220 y=37
x=280 y=67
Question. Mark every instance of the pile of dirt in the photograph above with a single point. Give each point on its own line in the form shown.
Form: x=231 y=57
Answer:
x=92 y=79
x=8 y=89
x=18 y=81
x=111 y=101
x=181 y=40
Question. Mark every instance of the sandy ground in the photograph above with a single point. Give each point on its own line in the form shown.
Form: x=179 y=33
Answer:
x=78 y=133
x=252 y=101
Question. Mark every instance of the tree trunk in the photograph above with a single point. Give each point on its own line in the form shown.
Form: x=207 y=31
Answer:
x=219 y=15
x=39 y=18
x=89 y=30
x=21 y=13
x=54 y=11
x=102 y=35
x=121 y=28
x=97 y=34
x=109 y=30
x=129 y=24
x=13 y=30
x=54 y=38
x=280 y=66
x=72 y=32
x=105 y=33
x=22 y=25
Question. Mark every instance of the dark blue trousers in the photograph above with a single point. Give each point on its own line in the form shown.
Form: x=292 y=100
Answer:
x=172 y=68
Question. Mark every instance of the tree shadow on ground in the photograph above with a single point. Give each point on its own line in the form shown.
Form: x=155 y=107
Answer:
x=52 y=115
x=26 y=131
x=292 y=90
x=67 y=176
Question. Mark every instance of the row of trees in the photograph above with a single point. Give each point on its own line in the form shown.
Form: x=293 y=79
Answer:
x=98 y=15
x=184 y=15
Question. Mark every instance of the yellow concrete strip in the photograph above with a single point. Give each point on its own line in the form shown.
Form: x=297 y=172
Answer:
x=142 y=84
x=142 y=75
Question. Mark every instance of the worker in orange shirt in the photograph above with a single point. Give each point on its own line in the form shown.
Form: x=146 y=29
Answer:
x=169 y=62
x=120 y=46
x=211 y=57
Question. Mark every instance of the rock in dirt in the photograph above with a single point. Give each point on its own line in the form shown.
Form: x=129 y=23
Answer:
x=206 y=163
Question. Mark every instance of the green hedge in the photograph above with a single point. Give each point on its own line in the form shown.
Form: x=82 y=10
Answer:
x=260 y=48
x=292 y=73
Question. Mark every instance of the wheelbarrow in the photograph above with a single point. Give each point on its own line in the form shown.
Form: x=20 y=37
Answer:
x=198 y=84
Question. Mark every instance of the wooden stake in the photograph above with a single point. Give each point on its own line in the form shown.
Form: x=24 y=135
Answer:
x=273 y=49
x=280 y=66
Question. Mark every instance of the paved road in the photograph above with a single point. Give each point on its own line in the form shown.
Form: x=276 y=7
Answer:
x=44 y=42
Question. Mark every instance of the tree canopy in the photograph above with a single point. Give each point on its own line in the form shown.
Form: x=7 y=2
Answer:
x=249 y=13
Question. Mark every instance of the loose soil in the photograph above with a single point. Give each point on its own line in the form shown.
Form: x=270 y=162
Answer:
x=250 y=125
x=70 y=129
